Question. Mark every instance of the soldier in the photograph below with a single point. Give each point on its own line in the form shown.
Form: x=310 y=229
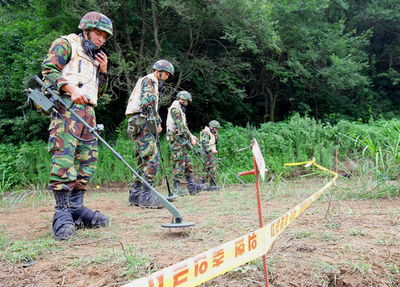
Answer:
x=177 y=134
x=77 y=67
x=208 y=142
x=143 y=124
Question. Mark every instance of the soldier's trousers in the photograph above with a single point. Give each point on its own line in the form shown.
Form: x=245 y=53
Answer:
x=182 y=163
x=147 y=154
x=73 y=161
x=209 y=167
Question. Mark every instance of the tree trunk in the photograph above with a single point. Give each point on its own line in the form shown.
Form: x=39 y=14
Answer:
x=155 y=29
x=142 y=38
x=272 y=101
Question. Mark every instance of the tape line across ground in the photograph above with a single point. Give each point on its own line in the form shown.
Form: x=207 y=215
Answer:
x=221 y=259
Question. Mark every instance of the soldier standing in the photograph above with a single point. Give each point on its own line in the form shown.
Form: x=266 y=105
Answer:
x=77 y=67
x=143 y=125
x=177 y=134
x=208 y=142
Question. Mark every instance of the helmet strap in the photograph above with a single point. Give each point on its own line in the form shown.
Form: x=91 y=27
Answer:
x=183 y=107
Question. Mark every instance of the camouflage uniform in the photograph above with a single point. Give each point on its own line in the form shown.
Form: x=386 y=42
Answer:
x=74 y=160
x=208 y=142
x=182 y=163
x=209 y=165
x=145 y=146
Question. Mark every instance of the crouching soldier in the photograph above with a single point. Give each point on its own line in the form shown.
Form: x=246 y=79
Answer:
x=177 y=134
x=78 y=69
x=208 y=142
x=143 y=124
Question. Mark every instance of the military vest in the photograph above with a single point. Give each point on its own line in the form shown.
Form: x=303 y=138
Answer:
x=81 y=69
x=171 y=126
x=212 y=137
x=134 y=102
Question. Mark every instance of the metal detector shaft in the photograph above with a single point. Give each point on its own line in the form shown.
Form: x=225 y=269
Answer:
x=165 y=171
x=227 y=168
x=166 y=203
x=203 y=163
x=230 y=171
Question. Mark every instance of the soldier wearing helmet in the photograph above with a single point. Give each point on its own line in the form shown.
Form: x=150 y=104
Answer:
x=77 y=68
x=208 y=142
x=143 y=124
x=177 y=133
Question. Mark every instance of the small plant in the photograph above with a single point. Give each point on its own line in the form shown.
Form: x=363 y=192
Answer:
x=333 y=225
x=394 y=215
x=5 y=184
x=133 y=260
x=358 y=232
x=360 y=267
x=301 y=234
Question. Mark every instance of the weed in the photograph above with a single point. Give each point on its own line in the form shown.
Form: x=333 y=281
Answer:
x=357 y=232
x=5 y=185
x=387 y=239
x=360 y=267
x=333 y=225
x=20 y=251
x=132 y=260
x=301 y=234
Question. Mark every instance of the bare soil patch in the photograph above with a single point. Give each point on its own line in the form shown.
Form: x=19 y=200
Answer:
x=356 y=243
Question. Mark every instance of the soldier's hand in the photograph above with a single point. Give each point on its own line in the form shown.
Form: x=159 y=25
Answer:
x=102 y=59
x=77 y=94
x=214 y=151
x=159 y=127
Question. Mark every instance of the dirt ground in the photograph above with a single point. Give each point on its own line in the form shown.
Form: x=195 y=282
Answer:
x=355 y=243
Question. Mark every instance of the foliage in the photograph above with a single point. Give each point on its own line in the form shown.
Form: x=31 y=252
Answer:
x=373 y=148
x=243 y=61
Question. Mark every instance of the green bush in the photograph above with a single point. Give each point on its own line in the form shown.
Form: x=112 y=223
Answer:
x=297 y=140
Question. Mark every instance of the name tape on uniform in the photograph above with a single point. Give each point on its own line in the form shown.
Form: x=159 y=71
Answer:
x=221 y=259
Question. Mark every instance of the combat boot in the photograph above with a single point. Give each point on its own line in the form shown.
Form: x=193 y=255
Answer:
x=213 y=186
x=83 y=216
x=193 y=187
x=134 y=193
x=63 y=223
x=148 y=200
x=177 y=188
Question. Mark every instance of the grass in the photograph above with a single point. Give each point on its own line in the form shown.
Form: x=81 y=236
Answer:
x=301 y=234
x=26 y=250
x=116 y=252
x=360 y=267
x=357 y=232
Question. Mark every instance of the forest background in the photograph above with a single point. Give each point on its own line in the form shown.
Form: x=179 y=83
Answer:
x=302 y=75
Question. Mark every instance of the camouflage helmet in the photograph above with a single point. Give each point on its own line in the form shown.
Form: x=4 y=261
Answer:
x=96 y=21
x=164 y=65
x=214 y=124
x=186 y=96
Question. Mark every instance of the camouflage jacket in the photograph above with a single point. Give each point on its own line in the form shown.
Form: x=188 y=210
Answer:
x=207 y=139
x=58 y=56
x=179 y=122
x=149 y=95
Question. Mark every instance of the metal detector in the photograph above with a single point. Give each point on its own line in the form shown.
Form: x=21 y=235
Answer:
x=50 y=105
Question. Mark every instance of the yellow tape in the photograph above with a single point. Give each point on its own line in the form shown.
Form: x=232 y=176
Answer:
x=219 y=260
